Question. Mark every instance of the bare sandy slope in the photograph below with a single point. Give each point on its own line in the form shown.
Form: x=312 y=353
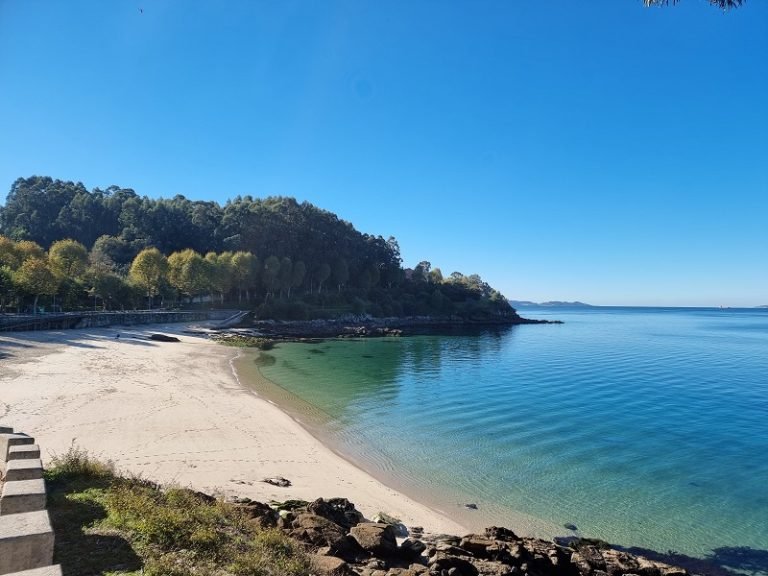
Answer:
x=174 y=412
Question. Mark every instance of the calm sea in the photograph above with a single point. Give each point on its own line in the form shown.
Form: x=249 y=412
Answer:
x=645 y=427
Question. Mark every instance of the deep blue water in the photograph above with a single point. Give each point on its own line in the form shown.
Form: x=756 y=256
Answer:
x=642 y=426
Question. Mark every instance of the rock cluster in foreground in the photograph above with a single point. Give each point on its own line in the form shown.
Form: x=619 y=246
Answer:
x=342 y=543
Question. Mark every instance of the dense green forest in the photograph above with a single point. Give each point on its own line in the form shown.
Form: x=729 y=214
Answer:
x=64 y=247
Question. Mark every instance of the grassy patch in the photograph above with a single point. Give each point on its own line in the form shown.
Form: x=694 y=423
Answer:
x=109 y=524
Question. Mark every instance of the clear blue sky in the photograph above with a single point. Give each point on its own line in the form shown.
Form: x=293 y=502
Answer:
x=589 y=150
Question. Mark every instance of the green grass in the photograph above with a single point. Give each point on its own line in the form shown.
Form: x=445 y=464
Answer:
x=109 y=524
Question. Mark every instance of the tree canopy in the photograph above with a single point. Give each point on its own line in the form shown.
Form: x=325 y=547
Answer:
x=285 y=258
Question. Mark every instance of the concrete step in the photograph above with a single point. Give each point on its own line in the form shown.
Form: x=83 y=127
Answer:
x=26 y=542
x=22 y=496
x=26 y=469
x=24 y=452
x=9 y=440
x=47 y=571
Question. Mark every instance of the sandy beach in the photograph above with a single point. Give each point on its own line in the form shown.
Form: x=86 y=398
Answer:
x=176 y=413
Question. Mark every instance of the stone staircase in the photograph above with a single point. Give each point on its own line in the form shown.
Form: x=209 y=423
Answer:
x=26 y=536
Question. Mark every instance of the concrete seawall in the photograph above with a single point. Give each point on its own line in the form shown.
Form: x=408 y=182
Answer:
x=18 y=323
x=26 y=535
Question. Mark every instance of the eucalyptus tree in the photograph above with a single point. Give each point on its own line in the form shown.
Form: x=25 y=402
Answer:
x=322 y=274
x=297 y=276
x=285 y=276
x=270 y=275
x=340 y=273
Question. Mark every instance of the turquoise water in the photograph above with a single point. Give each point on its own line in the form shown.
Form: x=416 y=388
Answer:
x=643 y=427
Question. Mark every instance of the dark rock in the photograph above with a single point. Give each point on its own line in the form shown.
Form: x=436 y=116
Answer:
x=570 y=527
x=503 y=534
x=285 y=519
x=446 y=538
x=443 y=561
x=412 y=548
x=318 y=531
x=471 y=506
x=588 y=559
x=264 y=515
x=618 y=563
x=378 y=539
x=477 y=545
x=278 y=481
x=338 y=510
x=486 y=568
x=163 y=338
x=207 y=498
x=450 y=549
x=329 y=566
x=407 y=571
x=397 y=526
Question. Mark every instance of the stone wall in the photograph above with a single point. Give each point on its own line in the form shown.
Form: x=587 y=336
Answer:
x=132 y=318
x=20 y=322
x=26 y=535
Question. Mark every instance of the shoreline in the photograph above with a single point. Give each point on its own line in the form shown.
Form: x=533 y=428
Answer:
x=177 y=413
x=320 y=426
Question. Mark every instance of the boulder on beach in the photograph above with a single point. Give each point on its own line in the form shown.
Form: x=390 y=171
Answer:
x=376 y=538
x=338 y=510
x=163 y=338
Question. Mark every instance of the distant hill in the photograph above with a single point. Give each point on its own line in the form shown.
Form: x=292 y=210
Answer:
x=763 y=306
x=550 y=304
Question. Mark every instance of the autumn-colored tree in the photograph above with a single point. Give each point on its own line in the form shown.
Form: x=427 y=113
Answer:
x=148 y=271
x=68 y=258
x=35 y=277
x=27 y=249
x=221 y=272
x=189 y=272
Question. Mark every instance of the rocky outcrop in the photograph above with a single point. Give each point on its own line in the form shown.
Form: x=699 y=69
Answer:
x=375 y=538
x=342 y=544
x=363 y=326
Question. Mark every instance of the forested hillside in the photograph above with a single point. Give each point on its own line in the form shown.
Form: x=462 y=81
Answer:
x=63 y=244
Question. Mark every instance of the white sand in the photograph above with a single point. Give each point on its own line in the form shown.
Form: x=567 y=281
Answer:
x=175 y=412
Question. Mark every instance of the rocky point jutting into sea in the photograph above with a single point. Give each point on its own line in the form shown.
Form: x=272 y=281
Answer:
x=369 y=326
